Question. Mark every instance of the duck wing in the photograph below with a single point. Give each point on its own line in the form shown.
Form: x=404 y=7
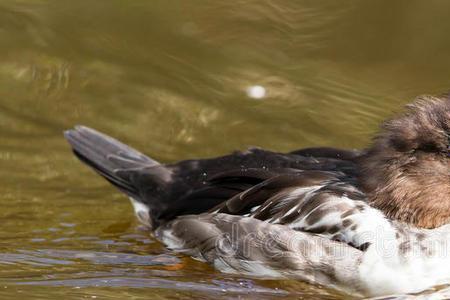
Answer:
x=328 y=152
x=319 y=202
x=166 y=191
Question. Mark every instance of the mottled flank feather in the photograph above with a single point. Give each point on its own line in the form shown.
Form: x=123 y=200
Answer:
x=236 y=244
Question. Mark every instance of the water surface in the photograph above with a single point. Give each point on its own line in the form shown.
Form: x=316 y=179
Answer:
x=174 y=79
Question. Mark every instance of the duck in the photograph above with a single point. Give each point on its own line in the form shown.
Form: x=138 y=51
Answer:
x=368 y=222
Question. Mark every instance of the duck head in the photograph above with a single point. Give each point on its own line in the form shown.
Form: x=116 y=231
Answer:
x=406 y=172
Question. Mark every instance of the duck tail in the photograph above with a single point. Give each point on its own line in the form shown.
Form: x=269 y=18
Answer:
x=108 y=157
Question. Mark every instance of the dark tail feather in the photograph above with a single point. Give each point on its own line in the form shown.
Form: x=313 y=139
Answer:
x=107 y=156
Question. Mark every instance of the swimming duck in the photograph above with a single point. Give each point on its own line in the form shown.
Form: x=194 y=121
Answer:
x=370 y=222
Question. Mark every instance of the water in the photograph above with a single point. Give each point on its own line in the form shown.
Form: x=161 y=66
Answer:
x=182 y=79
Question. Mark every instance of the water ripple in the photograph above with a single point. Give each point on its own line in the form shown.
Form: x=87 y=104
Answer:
x=48 y=257
x=222 y=287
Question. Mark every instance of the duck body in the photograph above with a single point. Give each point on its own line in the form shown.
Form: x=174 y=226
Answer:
x=304 y=214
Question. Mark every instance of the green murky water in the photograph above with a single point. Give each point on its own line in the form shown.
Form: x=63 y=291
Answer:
x=173 y=78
